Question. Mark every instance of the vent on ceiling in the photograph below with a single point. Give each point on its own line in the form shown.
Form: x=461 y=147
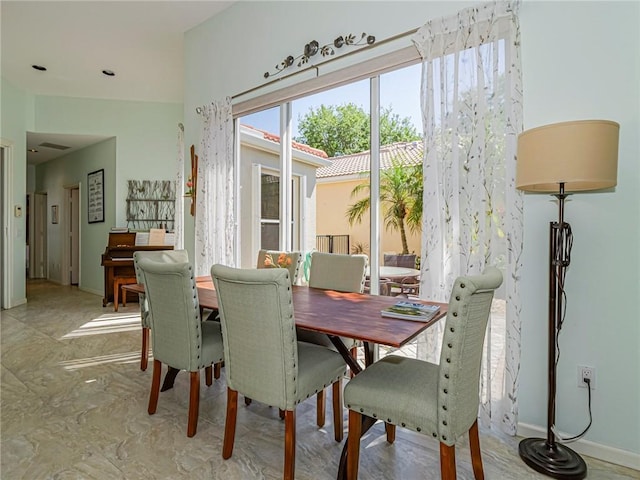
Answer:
x=54 y=145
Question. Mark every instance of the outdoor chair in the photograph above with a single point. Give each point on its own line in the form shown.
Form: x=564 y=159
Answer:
x=180 y=339
x=263 y=359
x=436 y=400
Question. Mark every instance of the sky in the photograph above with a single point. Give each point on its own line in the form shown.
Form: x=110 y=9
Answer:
x=399 y=90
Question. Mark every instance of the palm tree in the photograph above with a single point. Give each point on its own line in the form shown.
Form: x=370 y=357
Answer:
x=400 y=198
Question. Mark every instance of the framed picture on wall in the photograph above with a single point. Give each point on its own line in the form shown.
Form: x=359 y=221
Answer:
x=95 y=189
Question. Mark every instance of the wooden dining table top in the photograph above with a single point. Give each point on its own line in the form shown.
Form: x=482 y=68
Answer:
x=353 y=315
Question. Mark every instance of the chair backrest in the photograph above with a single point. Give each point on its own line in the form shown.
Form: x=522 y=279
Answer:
x=332 y=271
x=461 y=356
x=175 y=314
x=291 y=259
x=258 y=332
x=166 y=256
x=394 y=260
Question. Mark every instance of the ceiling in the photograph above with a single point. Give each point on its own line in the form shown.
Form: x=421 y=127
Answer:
x=140 y=41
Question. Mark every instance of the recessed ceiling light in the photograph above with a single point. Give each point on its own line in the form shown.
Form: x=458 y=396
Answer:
x=109 y=73
x=39 y=67
x=33 y=150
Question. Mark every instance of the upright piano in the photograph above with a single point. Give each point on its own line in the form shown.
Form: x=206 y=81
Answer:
x=117 y=260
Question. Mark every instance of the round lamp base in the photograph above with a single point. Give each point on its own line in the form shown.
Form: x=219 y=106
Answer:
x=557 y=462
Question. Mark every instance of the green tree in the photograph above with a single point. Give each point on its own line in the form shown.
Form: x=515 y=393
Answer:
x=345 y=129
x=400 y=198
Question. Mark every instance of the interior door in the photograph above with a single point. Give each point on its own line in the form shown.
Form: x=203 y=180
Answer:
x=74 y=236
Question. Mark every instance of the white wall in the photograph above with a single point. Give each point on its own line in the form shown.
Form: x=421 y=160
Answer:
x=580 y=60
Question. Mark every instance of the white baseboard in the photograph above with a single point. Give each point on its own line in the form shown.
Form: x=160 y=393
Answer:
x=590 y=449
x=91 y=290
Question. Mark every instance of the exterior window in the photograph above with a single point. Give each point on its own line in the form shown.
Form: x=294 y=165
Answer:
x=270 y=211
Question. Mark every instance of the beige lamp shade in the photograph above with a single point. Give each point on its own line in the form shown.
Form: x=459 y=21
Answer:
x=581 y=154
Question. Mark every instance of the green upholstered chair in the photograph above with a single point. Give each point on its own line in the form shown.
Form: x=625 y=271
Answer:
x=180 y=339
x=293 y=266
x=332 y=271
x=437 y=400
x=167 y=256
x=263 y=359
x=343 y=273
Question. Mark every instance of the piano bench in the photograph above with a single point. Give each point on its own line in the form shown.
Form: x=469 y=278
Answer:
x=118 y=282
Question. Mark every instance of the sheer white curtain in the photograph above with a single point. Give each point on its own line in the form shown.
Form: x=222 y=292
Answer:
x=178 y=224
x=215 y=223
x=472 y=113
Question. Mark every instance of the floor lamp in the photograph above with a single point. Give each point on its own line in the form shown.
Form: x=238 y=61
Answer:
x=560 y=159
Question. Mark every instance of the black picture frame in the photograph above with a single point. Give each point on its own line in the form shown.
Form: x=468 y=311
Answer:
x=95 y=196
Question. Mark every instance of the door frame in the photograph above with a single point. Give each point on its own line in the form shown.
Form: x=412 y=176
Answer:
x=7 y=223
x=66 y=256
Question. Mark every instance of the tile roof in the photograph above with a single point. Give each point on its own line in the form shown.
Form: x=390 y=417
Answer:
x=406 y=153
x=297 y=146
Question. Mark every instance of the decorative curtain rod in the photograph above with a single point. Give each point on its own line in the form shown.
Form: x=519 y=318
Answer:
x=368 y=47
x=200 y=110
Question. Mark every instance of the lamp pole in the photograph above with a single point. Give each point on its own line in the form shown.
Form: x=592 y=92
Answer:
x=548 y=456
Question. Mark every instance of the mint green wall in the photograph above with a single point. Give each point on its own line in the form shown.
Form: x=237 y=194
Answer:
x=16 y=117
x=580 y=60
x=144 y=147
x=146 y=136
x=71 y=170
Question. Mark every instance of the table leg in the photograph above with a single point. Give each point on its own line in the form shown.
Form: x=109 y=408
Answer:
x=346 y=354
x=367 y=423
x=169 y=378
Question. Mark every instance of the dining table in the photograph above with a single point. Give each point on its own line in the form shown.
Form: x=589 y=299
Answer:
x=335 y=314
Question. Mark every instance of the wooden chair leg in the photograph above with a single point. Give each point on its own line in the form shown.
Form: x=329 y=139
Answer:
x=216 y=370
x=447 y=462
x=230 y=423
x=208 y=375
x=289 y=444
x=144 y=352
x=320 y=409
x=353 y=444
x=391 y=432
x=124 y=297
x=194 y=403
x=116 y=294
x=474 y=446
x=337 y=410
x=155 y=387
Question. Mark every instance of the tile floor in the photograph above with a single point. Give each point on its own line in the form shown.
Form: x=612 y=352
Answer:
x=73 y=405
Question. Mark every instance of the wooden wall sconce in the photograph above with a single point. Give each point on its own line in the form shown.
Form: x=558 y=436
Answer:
x=192 y=183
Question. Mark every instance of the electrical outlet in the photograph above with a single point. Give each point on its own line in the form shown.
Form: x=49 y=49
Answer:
x=585 y=372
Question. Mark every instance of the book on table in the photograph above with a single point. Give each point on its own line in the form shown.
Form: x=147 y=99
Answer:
x=410 y=311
